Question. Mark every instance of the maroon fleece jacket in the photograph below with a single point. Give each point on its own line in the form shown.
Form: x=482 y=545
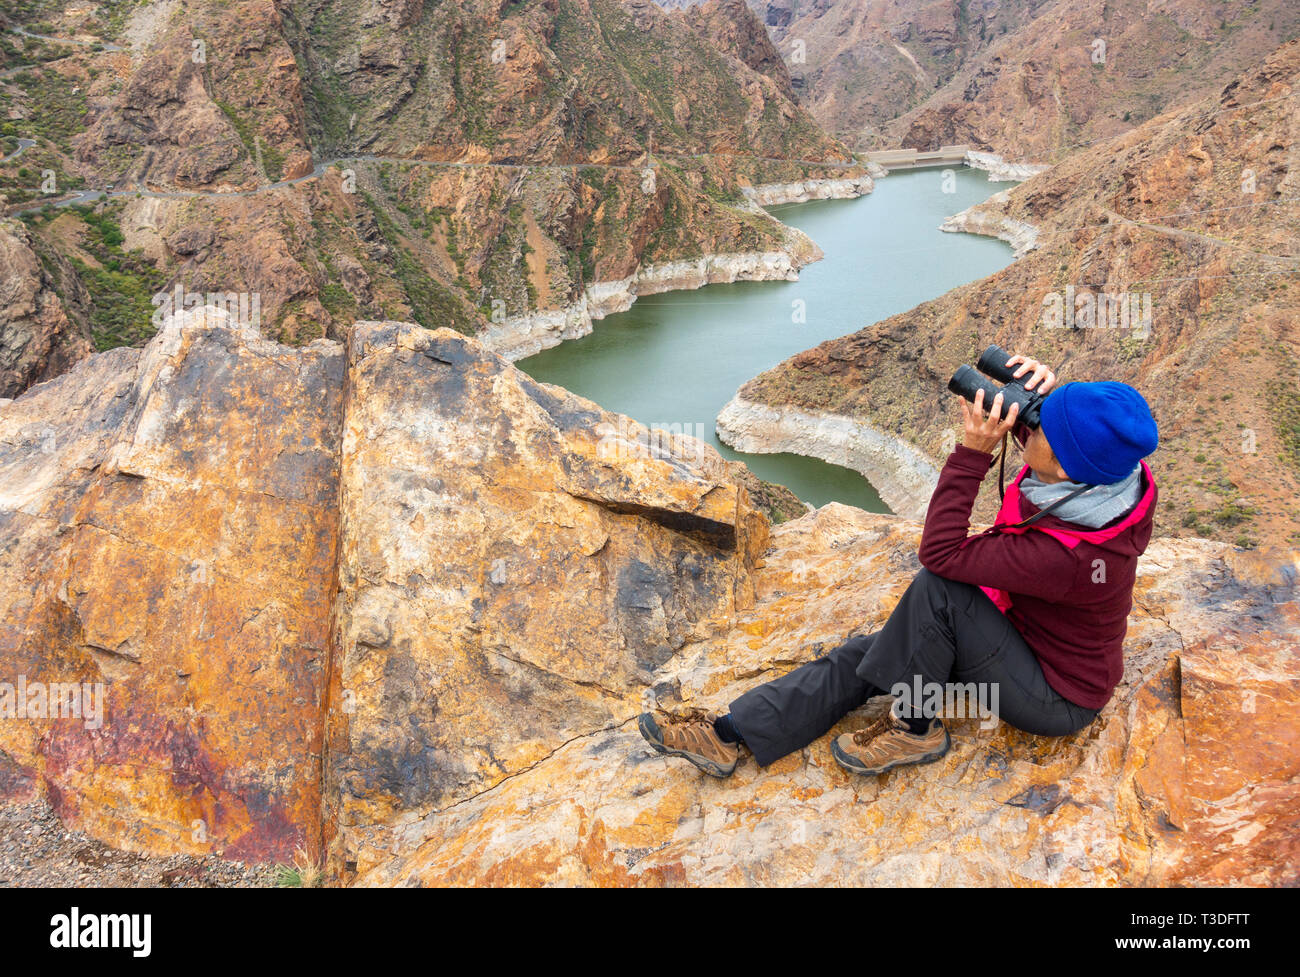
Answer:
x=1071 y=609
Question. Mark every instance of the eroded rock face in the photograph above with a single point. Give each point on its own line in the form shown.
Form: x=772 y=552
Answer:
x=170 y=523
x=173 y=531
x=397 y=604
x=1039 y=80
x=189 y=117
x=517 y=566
x=731 y=27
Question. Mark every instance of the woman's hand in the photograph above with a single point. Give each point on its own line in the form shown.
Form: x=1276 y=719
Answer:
x=983 y=433
x=1040 y=372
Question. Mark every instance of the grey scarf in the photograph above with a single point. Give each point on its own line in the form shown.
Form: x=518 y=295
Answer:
x=1095 y=507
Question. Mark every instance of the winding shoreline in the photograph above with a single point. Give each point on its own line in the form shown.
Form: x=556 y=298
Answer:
x=902 y=474
x=521 y=336
x=1022 y=236
x=802 y=191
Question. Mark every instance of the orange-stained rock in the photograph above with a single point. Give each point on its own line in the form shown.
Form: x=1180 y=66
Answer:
x=398 y=604
x=1174 y=783
x=517 y=565
x=170 y=530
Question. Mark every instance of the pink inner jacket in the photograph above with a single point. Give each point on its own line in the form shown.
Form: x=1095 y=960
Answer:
x=1067 y=537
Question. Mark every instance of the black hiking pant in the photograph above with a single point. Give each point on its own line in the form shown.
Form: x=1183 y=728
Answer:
x=941 y=632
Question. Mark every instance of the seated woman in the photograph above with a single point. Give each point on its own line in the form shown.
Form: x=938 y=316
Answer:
x=1034 y=608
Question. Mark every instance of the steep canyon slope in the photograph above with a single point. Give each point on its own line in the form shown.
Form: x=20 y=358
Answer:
x=1029 y=79
x=463 y=164
x=1071 y=74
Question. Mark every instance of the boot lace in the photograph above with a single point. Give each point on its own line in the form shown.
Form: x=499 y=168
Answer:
x=881 y=725
x=689 y=717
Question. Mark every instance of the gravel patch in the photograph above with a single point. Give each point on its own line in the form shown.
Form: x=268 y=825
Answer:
x=37 y=850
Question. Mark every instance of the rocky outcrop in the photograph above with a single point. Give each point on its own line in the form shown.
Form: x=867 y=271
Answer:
x=171 y=523
x=512 y=590
x=195 y=542
x=801 y=191
x=730 y=26
x=37 y=338
x=1163 y=788
x=212 y=100
x=1000 y=171
x=395 y=603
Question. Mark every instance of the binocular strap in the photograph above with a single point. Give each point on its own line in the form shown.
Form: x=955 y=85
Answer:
x=1042 y=512
x=1002 y=493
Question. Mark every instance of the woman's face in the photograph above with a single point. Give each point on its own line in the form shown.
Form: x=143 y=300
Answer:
x=1039 y=457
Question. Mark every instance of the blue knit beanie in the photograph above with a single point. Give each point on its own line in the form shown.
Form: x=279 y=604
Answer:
x=1098 y=431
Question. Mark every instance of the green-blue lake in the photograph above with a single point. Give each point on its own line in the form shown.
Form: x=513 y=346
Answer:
x=674 y=360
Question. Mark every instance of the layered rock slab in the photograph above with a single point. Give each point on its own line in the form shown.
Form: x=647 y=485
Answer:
x=502 y=567
x=517 y=566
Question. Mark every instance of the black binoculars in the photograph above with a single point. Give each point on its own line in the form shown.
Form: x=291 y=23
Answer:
x=966 y=382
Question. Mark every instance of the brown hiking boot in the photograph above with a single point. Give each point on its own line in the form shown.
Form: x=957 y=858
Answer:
x=691 y=735
x=888 y=743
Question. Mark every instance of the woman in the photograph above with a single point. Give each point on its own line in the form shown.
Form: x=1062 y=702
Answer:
x=1033 y=610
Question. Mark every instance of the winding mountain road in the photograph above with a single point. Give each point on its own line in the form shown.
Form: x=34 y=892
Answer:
x=105 y=45
x=319 y=169
x=23 y=146
x=88 y=196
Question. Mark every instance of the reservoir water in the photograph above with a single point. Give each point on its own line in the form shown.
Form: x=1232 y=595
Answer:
x=674 y=360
